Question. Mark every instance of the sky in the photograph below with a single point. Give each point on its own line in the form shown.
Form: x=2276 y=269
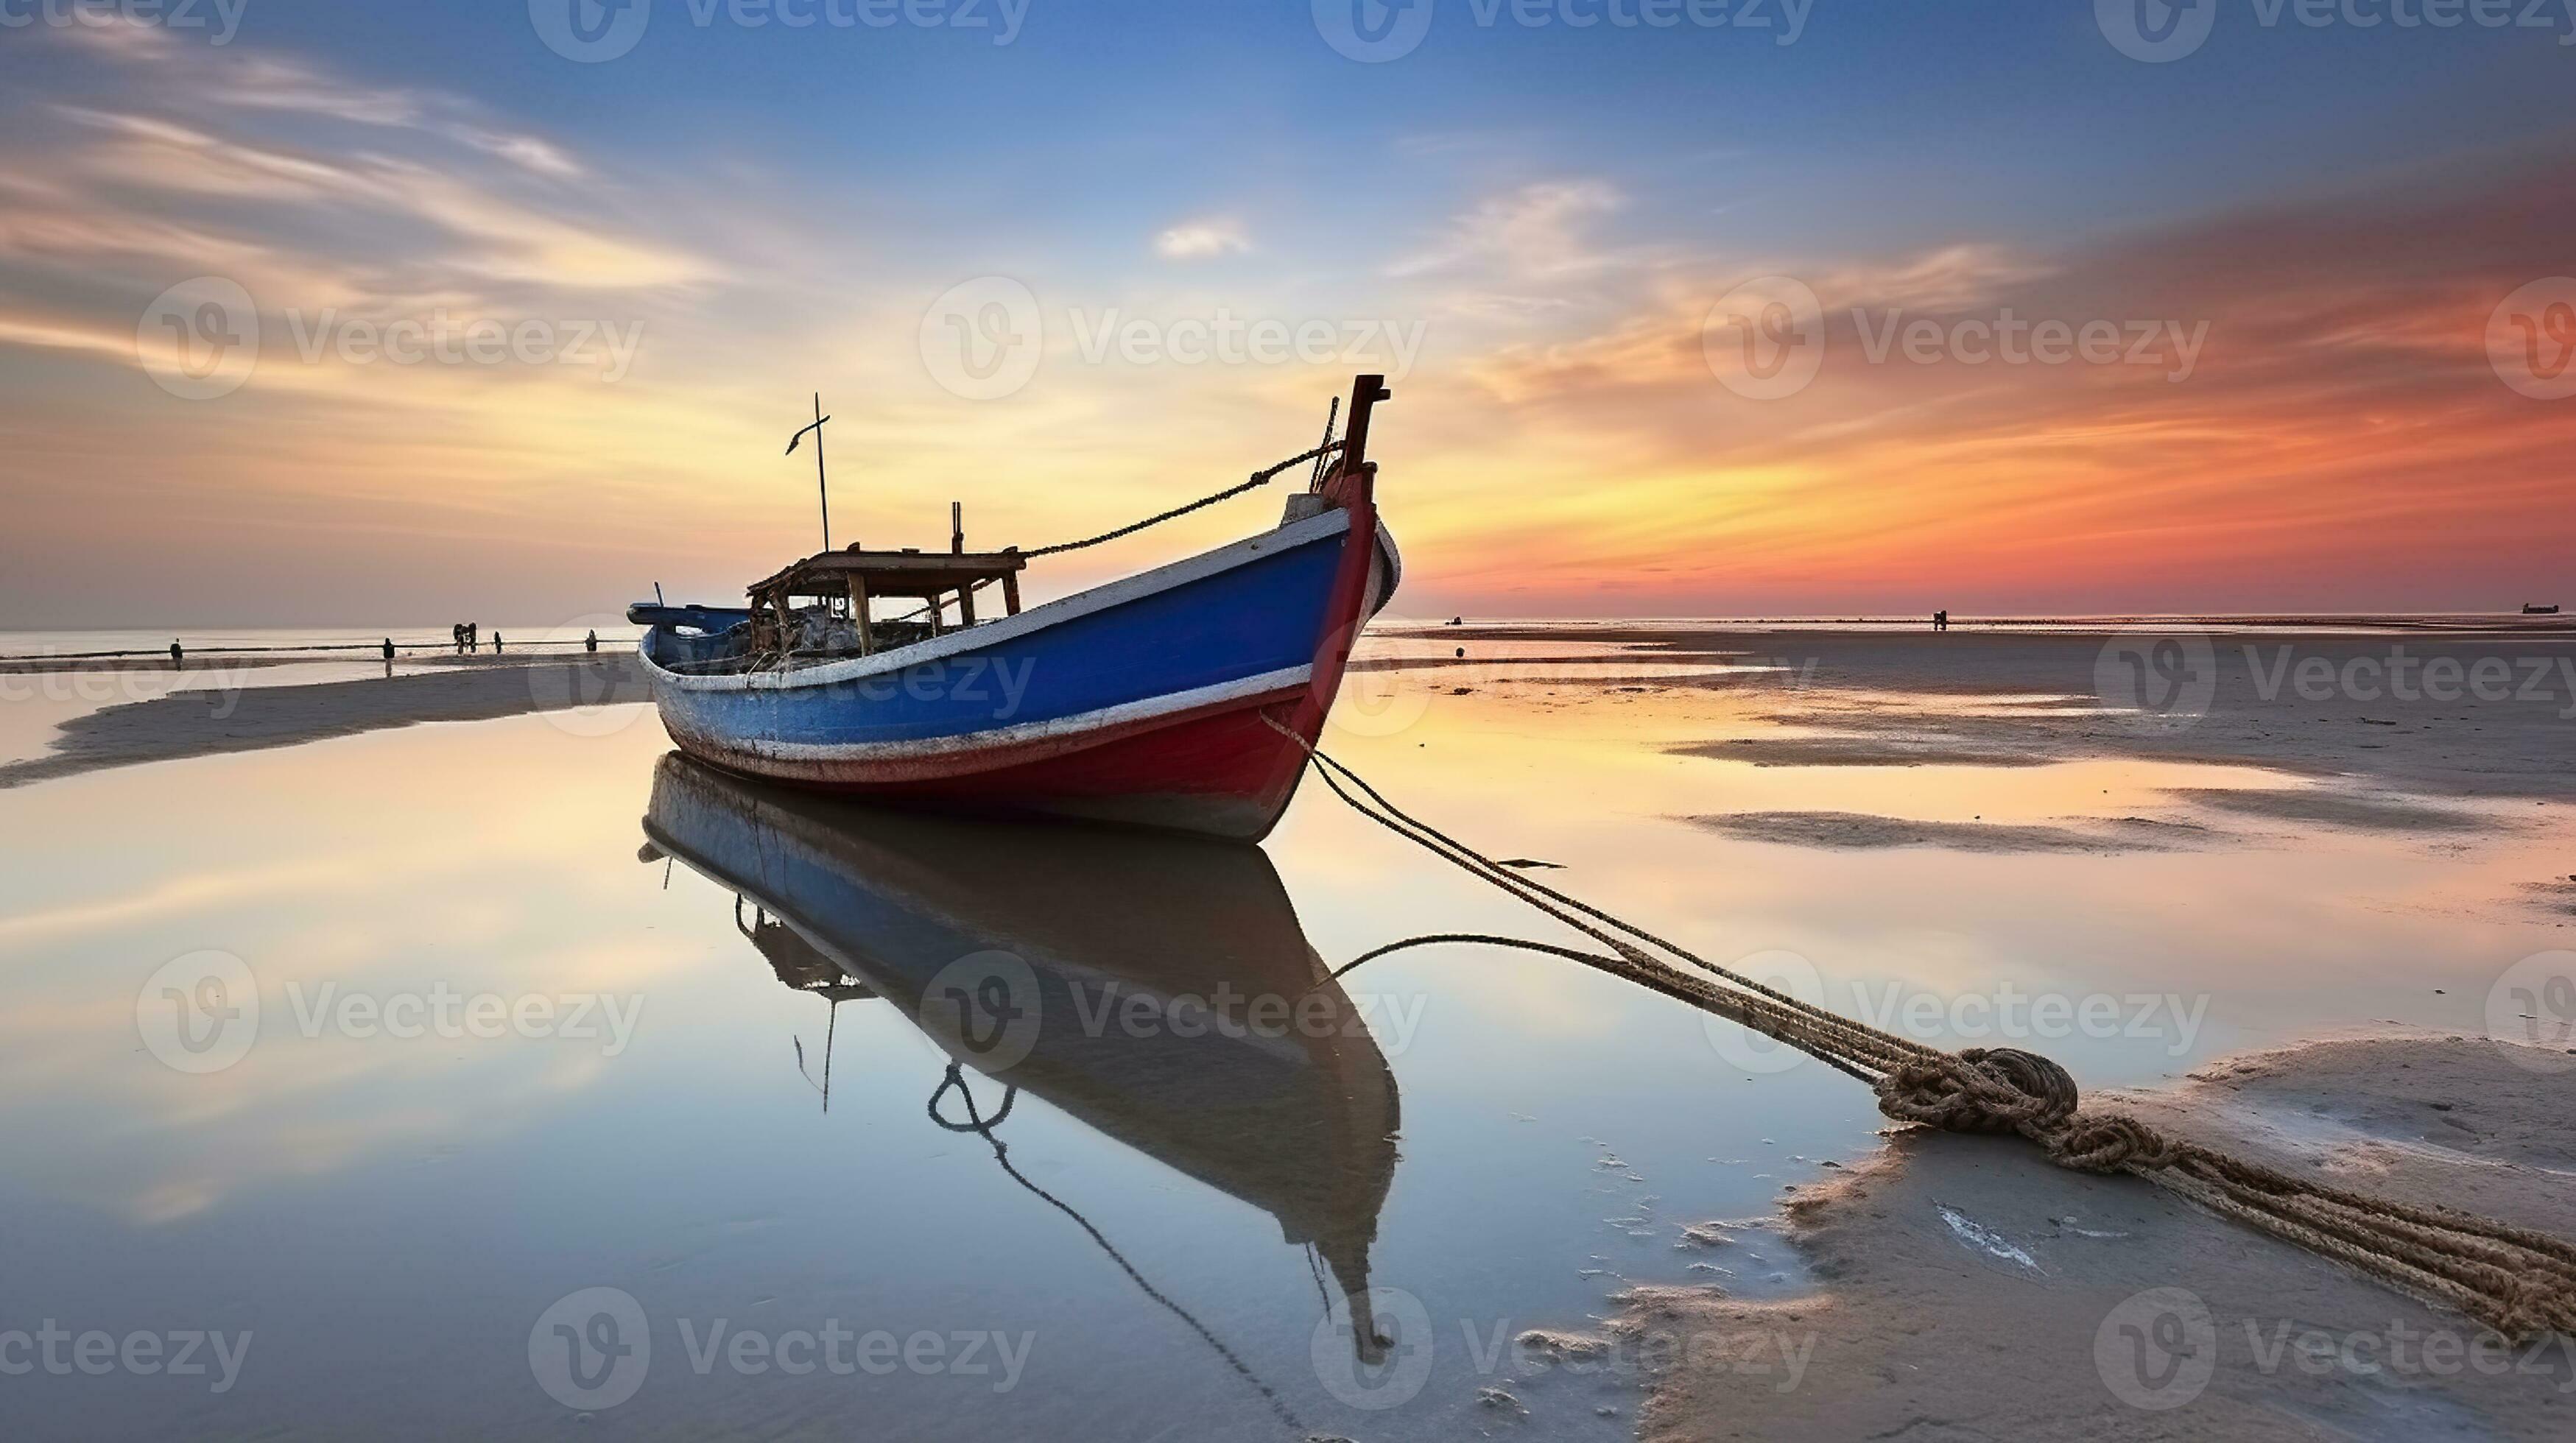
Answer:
x=316 y=313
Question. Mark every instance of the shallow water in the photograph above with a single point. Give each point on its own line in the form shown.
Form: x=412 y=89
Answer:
x=1160 y=1237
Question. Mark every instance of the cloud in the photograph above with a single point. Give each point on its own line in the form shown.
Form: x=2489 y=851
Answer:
x=1200 y=240
x=1536 y=232
x=250 y=82
x=2343 y=400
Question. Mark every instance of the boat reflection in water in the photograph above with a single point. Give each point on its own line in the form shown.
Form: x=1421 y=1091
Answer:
x=1155 y=987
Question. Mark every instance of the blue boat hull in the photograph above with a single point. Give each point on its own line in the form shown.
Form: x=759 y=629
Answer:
x=1180 y=697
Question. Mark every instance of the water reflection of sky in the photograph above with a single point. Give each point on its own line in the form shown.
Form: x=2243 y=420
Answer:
x=389 y=1217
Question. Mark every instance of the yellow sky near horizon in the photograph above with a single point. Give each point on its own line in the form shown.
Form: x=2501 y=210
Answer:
x=2303 y=412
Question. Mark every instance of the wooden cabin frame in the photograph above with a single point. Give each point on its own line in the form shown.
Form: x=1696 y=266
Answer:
x=847 y=581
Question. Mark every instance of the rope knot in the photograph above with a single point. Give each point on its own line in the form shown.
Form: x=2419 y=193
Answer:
x=1982 y=1089
x=2114 y=1143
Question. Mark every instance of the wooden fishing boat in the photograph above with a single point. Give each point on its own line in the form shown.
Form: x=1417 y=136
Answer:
x=1180 y=697
x=1160 y=988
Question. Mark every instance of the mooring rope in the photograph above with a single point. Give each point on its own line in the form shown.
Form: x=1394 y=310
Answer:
x=2519 y=1281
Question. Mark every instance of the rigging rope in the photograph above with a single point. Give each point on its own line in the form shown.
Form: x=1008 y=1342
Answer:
x=1256 y=480
x=2519 y=1281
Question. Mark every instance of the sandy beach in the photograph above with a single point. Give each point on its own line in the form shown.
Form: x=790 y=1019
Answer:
x=2315 y=898
x=1971 y=1289
x=209 y=722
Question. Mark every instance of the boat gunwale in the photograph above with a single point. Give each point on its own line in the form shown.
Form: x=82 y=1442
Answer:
x=1330 y=522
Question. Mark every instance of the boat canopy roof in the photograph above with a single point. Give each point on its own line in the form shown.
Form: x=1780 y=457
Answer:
x=923 y=574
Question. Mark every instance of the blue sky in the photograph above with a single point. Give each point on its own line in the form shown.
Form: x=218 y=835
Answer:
x=774 y=208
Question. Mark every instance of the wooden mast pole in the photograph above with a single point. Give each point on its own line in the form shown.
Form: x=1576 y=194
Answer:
x=824 y=489
x=820 y=484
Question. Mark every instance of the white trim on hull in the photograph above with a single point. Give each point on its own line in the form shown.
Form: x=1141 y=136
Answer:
x=861 y=764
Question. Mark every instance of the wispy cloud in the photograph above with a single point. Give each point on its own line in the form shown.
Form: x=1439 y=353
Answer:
x=1535 y=232
x=1200 y=240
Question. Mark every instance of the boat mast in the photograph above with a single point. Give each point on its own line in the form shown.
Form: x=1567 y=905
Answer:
x=820 y=485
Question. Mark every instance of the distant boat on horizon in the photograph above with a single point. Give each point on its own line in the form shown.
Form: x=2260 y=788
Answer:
x=2533 y=608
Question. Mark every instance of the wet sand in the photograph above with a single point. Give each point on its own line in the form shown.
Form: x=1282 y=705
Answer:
x=1859 y=831
x=1970 y=1289
x=208 y=722
x=1855 y=698
x=1922 y=818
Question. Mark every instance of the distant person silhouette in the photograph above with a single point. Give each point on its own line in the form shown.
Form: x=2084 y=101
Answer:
x=1941 y=621
x=176 y=655
x=496 y=643
x=389 y=648
x=590 y=642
